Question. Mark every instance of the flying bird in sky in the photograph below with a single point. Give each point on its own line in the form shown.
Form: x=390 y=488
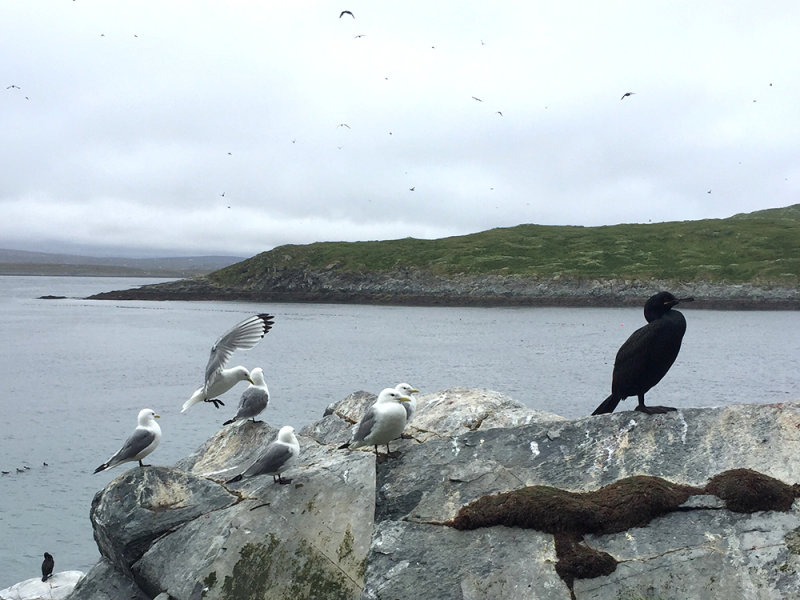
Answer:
x=626 y=94
x=476 y=98
x=346 y=12
x=343 y=125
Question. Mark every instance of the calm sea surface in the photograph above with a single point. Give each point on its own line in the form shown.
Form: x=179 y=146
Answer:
x=74 y=374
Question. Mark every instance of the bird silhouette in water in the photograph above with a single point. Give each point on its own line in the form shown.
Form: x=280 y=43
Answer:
x=646 y=356
x=47 y=566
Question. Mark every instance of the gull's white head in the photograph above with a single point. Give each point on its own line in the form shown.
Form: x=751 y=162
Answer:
x=257 y=376
x=241 y=374
x=286 y=434
x=391 y=395
x=147 y=416
x=406 y=389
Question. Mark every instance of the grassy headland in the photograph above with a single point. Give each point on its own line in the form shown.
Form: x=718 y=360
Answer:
x=750 y=248
x=755 y=249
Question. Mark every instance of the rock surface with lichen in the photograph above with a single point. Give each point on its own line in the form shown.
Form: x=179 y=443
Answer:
x=486 y=499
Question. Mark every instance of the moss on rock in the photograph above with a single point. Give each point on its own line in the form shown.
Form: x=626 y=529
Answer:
x=630 y=502
x=747 y=491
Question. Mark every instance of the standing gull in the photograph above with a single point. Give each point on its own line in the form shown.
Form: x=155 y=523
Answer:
x=142 y=442
x=411 y=406
x=254 y=399
x=646 y=356
x=383 y=422
x=278 y=456
x=47 y=566
x=219 y=380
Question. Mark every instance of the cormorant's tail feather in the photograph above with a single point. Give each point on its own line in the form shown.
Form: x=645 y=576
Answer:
x=607 y=406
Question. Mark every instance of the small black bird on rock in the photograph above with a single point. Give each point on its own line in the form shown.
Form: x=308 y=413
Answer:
x=47 y=566
x=646 y=356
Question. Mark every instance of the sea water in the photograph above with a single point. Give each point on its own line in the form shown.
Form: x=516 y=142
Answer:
x=74 y=373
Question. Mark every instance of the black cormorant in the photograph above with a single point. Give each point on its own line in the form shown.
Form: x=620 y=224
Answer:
x=647 y=354
x=47 y=566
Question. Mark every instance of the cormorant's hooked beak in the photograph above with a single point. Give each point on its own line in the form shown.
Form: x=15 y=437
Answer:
x=675 y=301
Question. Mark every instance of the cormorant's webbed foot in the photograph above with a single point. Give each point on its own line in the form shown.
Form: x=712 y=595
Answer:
x=654 y=410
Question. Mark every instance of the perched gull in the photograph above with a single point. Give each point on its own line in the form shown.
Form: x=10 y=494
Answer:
x=411 y=406
x=47 y=566
x=279 y=456
x=254 y=399
x=142 y=442
x=383 y=422
x=219 y=380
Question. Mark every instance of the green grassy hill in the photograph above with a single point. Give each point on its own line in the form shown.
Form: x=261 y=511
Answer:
x=761 y=247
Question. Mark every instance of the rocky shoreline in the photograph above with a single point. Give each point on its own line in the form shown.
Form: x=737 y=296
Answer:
x=486 y=499
x=415 y=287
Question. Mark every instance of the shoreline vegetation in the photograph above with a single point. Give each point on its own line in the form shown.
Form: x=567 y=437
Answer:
x=748 y=261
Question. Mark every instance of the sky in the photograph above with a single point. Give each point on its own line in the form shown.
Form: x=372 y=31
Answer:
x=156 y=128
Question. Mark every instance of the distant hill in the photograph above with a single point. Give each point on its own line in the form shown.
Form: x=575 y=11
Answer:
x=21 y=262
x=757 y=254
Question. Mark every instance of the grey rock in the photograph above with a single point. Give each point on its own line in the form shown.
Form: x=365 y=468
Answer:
x=409 y=559
x=702 y=554
x=105 y=582
x=145 y=503
x=439 y=415
x=346 y=527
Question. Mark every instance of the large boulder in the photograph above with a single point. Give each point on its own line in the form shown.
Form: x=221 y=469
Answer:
x=487 y=499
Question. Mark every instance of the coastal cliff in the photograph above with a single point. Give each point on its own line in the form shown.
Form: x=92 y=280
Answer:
x=419 y=287
x=487 y=499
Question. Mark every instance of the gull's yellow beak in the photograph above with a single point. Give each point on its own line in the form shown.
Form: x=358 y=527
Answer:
x=157 y=416
x=414 y=391
x=404 y=399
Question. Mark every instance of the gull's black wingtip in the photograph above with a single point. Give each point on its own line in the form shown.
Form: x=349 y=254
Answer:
x=267 y=320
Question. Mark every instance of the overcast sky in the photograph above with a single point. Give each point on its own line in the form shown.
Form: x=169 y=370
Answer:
x=189 y=127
